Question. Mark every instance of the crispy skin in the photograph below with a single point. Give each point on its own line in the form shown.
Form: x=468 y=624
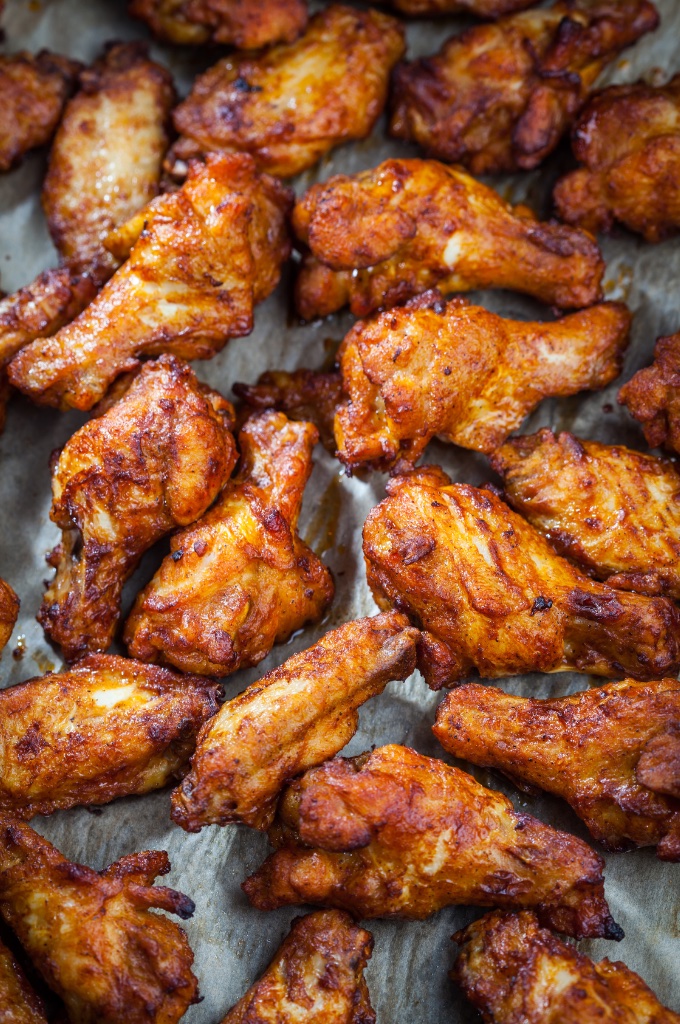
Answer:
x=381 y=236
x=33 y=91
x=303 y=395
x=200 y=259
x=294 y=103
x=240 y=579
x=247 y=26
x=155 y=461
x=394 y=833
x=294 y=718
x=18 y=1002
x=630 y=176
x=586 y=748
x=516 y=972
x=498 y=98
x=613 y=510
x=494 y=597
x=9 y=611
x=91 y=934
x=652 y=396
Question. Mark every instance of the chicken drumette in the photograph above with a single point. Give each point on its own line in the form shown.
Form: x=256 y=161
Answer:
x=247 y=26
x=19 y=1004
x=652 y=396
x=9 y=611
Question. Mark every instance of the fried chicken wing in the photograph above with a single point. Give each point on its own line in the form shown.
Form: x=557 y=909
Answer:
x=516 y=972
x=294 y=103
x=200 y=259
x=247 y=26
x=612 y=753
x=613 y=510
x=295 y=717
x=652 y=396
x=240 y=579
x=495 y=598
x=18 y=1002
x=9 y=611
x=632 y=176
x=33 y=91
x=92 y=935
x=498 y=98
x=303 y=395
x=432 y=8
x=381 y=236
x=155 y=461
x=394 y=833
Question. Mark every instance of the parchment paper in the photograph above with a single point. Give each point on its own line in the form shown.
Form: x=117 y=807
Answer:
x=233 y=943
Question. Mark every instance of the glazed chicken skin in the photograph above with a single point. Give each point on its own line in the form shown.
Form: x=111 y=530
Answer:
x=317 y=976
x=247 y=26
x=614 y=511
x=9 y=612
x=291 y=105
x=493 y=597
x=613 y=753
x=303 y=395
x=294 y=718
x=92 y=935
x=19 y=1004
x=652 y=396
x=107 y=728
x=515 y=972
x=33 y=91
x=155 y=461
x=498 y=98
x=241 y=579
x=397 y=834
x=379 y=237
x=632 y=177
x=199 y=261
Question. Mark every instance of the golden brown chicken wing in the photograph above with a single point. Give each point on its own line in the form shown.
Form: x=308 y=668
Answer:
x=92 y=935
x=516 y=972
x=247 y=26
x=155 y=461
x=240 y=579
x=631 y=176
x=613 y=510
x=19 y=1004
x=33 y=91
x=652 y=396
x=303 y=395
x=379 y=237
x=200 y=259
x=393 y=833
x=612 y=753
x=498 y=98
x=292 y=719
x=9 y=611
x=494 y=597
x=294 y=103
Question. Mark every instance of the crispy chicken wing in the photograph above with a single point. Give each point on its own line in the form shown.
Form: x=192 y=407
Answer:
x=19 y=1004
x=516 y=972
x=498 y=98
x=155 y=461
x=294 y=103
x=378 y=237
x=631 y=176
x=393 y=833
x=613 y=510
x=317 y=976
x=9 y=611
x=612 y=753
x=240 y=579
x=247 y=26
x=652 y=396
x=92 y=935
x=494 y=597
x=303 y=395
x=292 y=719
x=200 y=259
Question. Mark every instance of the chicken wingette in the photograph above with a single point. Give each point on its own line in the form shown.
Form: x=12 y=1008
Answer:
x=247 y=26
x=652 y=396
x=9 y=612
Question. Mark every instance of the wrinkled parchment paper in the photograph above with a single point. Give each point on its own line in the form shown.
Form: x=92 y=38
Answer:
x=233 y=943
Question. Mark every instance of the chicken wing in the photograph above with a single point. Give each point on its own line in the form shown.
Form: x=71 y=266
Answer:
x=613 y=510
x=92 y=935
x=200 y=259
x=432 y=8
x=396 y=834
x=9 y=612
x=516 y=972
x=494 y=597
x=292 y=719
x=240 y=579
x=652 y=396
x=381 y=236
x=317 y=976
x=19 y=1004
x=33 y=91
x=155 y=461
x=303 y=395
x=498 y=98
x=247 y=26
x=612 y=753
x=294 y=103
x=634 y=176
